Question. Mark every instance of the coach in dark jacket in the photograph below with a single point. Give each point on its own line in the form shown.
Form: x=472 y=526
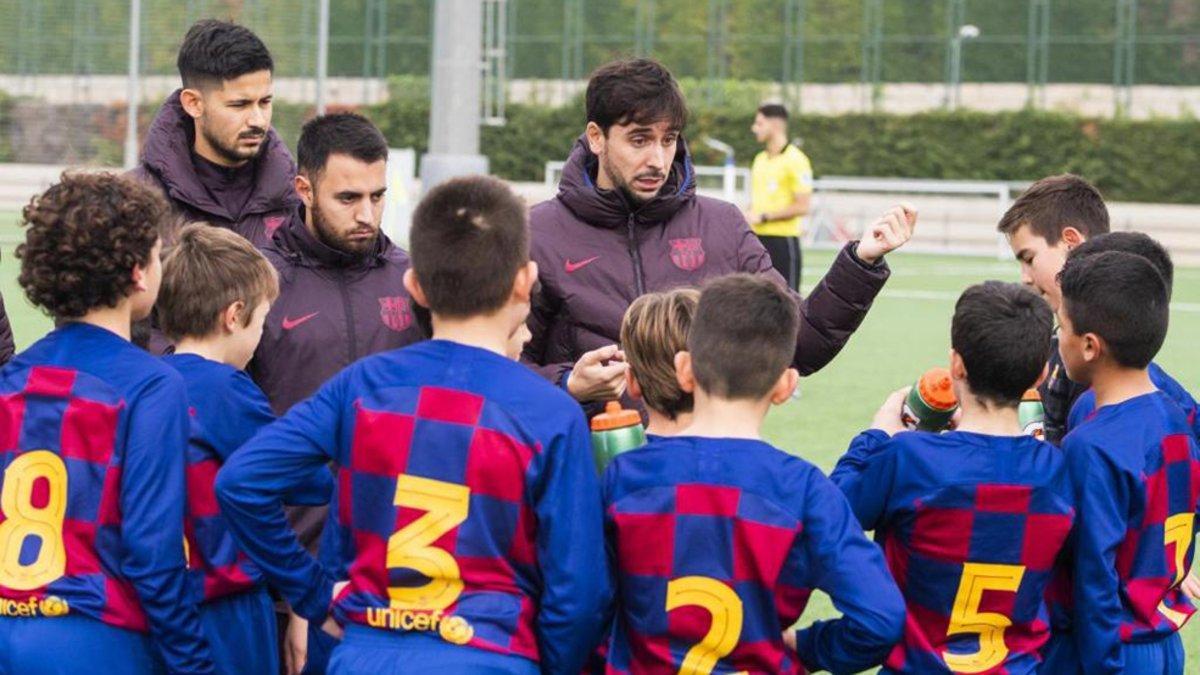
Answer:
x=211 y=148
x=334 y=307
x=627 y=221
x=341 y=294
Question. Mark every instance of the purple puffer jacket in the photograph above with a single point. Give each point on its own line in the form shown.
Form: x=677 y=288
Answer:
x=167 y=163
x=595 y=255
x=333 y=309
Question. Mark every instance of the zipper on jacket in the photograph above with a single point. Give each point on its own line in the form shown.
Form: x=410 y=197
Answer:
x=349 y=317
x=639 y=283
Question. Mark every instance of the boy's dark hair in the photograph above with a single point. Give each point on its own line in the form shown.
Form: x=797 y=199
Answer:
x=742 y=337
x=469 y=238
x=639 y=91
x=1055 y=203
x=207 y=270
x=338 y=134
x=215 y=51
x=773 y=110
x=84 y=236
x=1136 y=243
x=1003 y=334
x=1120 y=297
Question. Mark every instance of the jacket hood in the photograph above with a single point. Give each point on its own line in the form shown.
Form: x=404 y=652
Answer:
x=167 y=154
x=296 y=243
x=578 y=191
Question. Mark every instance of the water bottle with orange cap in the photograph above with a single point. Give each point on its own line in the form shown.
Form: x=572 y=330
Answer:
x=1031 y=415
x=614 y=431
x=931 y=403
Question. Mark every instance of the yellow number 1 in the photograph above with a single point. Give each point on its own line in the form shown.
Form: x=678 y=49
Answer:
x=723 y=605
x=24 y=520
x=989 y=626
x=445 y=505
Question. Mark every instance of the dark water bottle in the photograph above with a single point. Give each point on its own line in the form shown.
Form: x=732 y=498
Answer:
x=931 y=402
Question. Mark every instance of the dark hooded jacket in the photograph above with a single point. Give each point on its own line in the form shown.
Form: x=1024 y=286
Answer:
x=333 y=309
x=7 y=348
x=167 y=163
x=596 y=254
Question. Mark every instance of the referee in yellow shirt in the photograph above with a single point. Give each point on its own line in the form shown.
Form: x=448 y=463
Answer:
x=780 y=191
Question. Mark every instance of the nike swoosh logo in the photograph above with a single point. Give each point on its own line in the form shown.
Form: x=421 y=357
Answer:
x=573 y=266
x=289 y=324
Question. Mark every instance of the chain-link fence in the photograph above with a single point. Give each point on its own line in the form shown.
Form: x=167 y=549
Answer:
x=63 y=63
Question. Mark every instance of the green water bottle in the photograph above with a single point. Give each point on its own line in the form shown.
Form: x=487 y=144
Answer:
x=931 y=403
x=614 y=431
x=1031 y=415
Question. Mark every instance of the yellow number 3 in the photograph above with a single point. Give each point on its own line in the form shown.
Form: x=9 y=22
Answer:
x=1178 y=531
x=989 y=626
x=723 y=605
x=23 y=520
x=446 y=506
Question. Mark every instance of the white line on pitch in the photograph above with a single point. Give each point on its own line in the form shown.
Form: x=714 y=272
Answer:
x=943 y=296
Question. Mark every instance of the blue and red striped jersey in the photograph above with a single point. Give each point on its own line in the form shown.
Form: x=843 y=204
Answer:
x=1136 y=470
x=466 y=493
x=225 y=409
x=93 y=433
x=971 y=526
x=1085 y=405
x=717 y=544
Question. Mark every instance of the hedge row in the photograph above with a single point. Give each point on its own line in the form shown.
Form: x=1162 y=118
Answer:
x=1150 y=161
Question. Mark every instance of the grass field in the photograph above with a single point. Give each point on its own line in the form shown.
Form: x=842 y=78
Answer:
x=907 y=331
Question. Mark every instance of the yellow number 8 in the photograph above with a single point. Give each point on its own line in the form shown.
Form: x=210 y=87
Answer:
x=446 y=506
x=723 y=605
x=24 y=520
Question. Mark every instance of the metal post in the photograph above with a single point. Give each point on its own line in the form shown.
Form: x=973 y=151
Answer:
x=872 y=53
x=133 y=88
x=456 y=85
x=322 y=53
x=1124 y=56
x=1037 y=53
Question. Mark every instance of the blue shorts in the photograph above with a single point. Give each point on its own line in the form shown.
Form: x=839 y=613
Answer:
x=66 y=645
x=367 y=651
x=241 y=631
x=1161 y=657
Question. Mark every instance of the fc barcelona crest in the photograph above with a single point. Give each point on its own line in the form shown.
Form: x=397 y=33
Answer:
x=687 y=254
x=395 y=313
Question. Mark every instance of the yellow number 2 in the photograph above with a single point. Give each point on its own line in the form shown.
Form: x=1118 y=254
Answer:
x=989 y=626
x=1178 y=531
x=23 y=520
x=723 y=605
x=445 y=506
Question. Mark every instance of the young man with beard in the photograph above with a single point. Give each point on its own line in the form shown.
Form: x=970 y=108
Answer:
x=341 y=294
x=211 y=148
x=780 y=192
x=627 y=221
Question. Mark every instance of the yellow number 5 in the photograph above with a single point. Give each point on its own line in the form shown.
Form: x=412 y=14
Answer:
x=446 y=506
x=989 y=626
x=1178 y=531
x=723 y=605
x=24 y=520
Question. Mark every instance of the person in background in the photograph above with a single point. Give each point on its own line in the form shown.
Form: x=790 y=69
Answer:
x=781 y=187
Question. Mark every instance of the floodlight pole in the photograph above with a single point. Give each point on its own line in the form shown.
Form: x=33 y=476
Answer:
x=322 y=53
x=132 y=84
x=456 y=79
